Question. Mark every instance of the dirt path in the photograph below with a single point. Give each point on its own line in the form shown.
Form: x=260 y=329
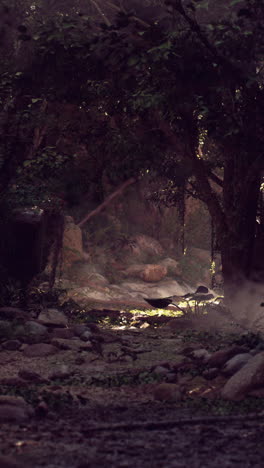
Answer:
x=108 y=412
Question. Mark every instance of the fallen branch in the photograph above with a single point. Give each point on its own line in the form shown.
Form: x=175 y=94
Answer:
x=108 y=200
x=166 y=425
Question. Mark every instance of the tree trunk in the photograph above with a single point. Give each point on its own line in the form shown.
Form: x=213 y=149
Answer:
x=237 y=243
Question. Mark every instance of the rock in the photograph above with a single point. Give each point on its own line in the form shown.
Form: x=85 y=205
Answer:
x=12 y=313
x=167 y=392
x=246 y=379
x=201 y=355
x=153 y=273
x=160 y=370
x=235 y=363
x=40 y=350
x=79 y=329
x=31 y=376
x=83 y=274
x=14 y=409
x=211 y=373
x=19 y=331
x=200 y=254
x=173 y=267
x=84 y=295
x=65 y=333
x=52 y=317
x=35 y=328
x=97 y=279
x=147 y=272
x=178 y=361
x=86 y=335
x=219 y=358
x=11 y=345
x=75 y=344
x=72 y=247
x=13 y=382
x=10 y=462
x=63 y=373
x=142 y=246
x=5 y=329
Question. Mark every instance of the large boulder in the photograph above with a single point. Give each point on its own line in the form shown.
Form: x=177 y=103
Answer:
x=141 y=247
x=72 y=247
x=146 y=272
x=248 y=378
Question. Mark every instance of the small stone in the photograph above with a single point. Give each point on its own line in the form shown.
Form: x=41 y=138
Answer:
x=211 y=373
x=201 y=354
x=53 y=317
x=31 y=376
x=63 y=373
x=74 y=344
x=5 y=329
x=35 y=328
x=86 y=335
x=160 y=370
x=40 y=350
x=15 y=414
x=14 y=409
x=65 y=333
x=79 y=329
x=11 y=345
x=12 y=313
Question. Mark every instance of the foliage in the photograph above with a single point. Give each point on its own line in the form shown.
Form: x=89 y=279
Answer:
x=173 y=96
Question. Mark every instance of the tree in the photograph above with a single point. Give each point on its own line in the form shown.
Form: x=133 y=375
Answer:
x=201 y=87
x=178 y=92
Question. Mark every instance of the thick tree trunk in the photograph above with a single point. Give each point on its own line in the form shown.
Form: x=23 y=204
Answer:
x=237 y=243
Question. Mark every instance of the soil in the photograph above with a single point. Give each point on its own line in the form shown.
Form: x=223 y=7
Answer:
x=106 y=412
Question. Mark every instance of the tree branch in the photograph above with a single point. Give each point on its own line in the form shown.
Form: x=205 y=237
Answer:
x=108 y=200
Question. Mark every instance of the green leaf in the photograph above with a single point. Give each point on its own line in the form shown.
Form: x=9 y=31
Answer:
x=34 y=100
x=235 y=2
x=132 y=60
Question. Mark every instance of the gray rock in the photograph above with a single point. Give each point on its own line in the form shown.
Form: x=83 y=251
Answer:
x=201 y=354
x=31 y=376
x=40 y=350
x=11 y=345
x=79 y=329
x=235 y=363
x=34 y=328
x=161 y=370
x=74 y=344
x=86 y=335
x=66 y=333
x=249 y=377
x=18 y=331
x=211 y=373
x=53 y=317
x=220 y=357
x=5 y=329
x=14 y=409
x=172 y=266
x=12 y=313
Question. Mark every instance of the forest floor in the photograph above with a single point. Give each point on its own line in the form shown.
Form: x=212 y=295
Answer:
x=114 y=409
